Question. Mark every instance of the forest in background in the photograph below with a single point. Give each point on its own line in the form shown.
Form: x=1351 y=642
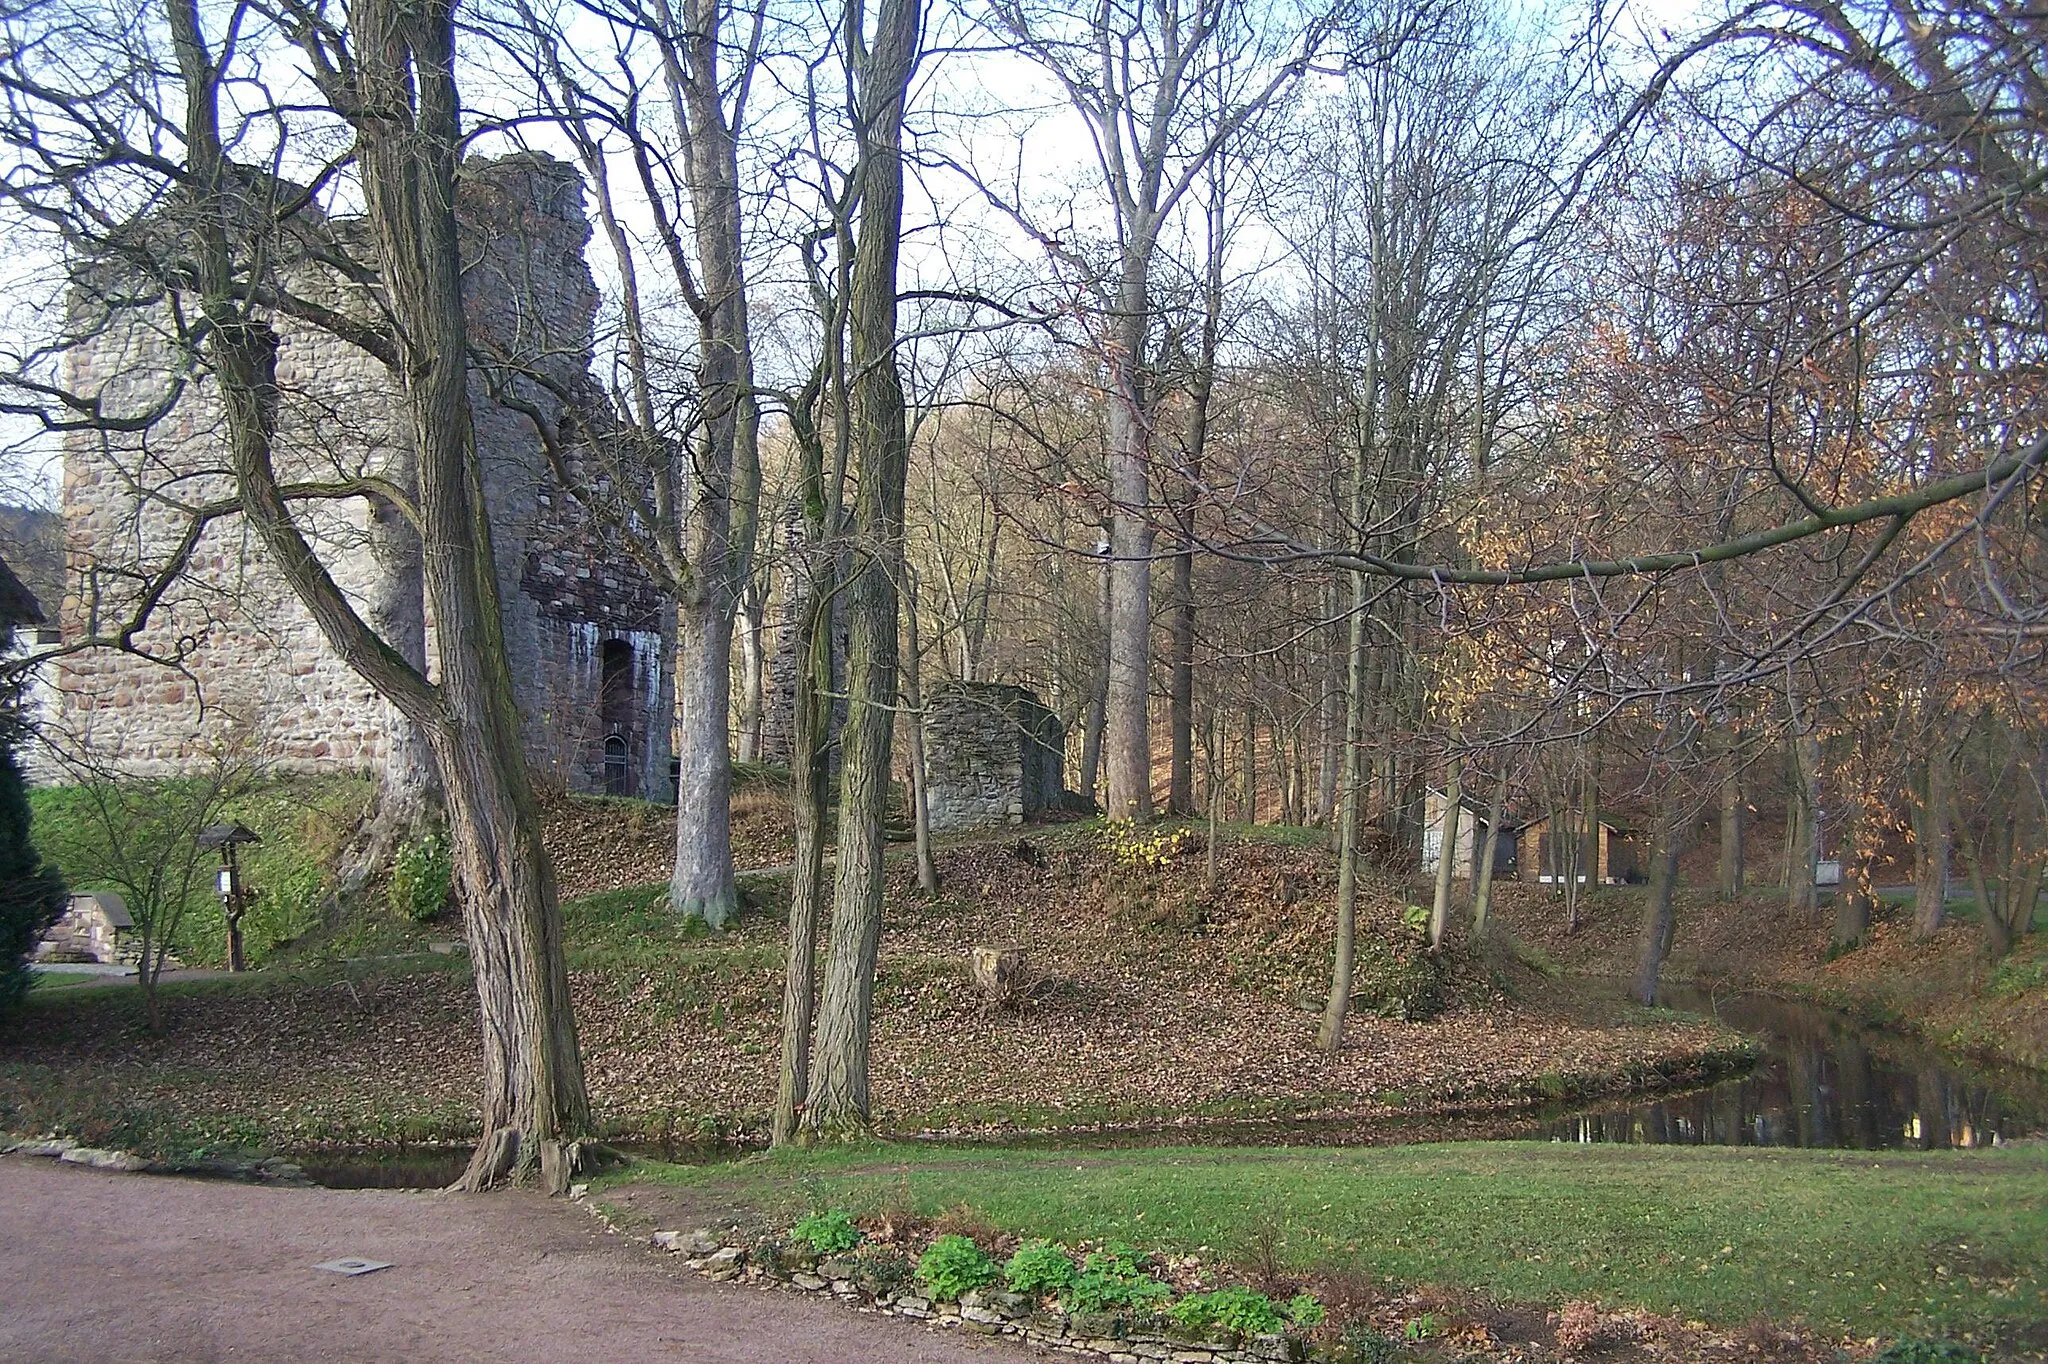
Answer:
x=1577 y=413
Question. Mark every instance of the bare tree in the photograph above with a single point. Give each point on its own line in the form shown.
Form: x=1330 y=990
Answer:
x=140 y=838
x=1164 y=86
x=881 y=62
x=684 y=495
x=388 y=76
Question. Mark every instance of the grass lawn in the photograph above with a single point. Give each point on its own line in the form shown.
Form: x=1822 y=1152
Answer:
x=1888 y=1243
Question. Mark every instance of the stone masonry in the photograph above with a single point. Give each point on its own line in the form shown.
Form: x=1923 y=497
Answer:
x=995 y=755
x=801 y=565
x=590 y=638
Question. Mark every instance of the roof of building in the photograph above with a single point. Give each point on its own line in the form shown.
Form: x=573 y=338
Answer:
x=107 y=903
x=1473 y=803
x=32 y=543
x=18 y=605
x=1613 y=825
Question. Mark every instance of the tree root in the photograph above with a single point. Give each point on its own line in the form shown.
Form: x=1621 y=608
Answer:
x=503 y=1160
x=492 y=1163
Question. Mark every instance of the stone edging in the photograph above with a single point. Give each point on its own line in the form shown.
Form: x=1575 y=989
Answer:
x=269 y=1170
x=1118 y=1337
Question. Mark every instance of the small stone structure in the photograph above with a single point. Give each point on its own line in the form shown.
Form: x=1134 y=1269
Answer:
x=93 y=928
x=995 y=755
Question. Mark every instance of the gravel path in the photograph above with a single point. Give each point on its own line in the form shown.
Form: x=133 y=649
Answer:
x=129 y=1268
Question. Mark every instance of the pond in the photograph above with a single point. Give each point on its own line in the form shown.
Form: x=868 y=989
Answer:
x=1825 y=1080
x=436 y=1167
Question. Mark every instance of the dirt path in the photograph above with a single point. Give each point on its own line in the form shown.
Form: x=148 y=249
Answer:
x=129 y=1268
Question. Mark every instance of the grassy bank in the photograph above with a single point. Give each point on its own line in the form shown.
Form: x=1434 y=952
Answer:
x=1943 y=1243
x=303 y=822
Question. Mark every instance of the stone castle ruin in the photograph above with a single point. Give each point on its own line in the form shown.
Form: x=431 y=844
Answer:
x=590 y=637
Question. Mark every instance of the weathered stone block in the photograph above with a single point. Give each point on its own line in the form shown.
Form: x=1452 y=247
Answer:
x=1096 y=1326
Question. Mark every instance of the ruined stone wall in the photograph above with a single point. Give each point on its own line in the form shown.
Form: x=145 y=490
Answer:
x=248 y=657
x=994 y=755
x=799 y=566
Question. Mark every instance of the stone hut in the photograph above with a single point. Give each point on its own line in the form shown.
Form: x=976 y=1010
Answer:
x=589 y=636
x=94 y=927
x=995 y=755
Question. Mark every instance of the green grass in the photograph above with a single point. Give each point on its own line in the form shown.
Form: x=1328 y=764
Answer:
x=1871 y=1243
x=302 y=821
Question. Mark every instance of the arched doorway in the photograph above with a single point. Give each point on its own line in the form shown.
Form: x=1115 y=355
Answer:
x=616 y=706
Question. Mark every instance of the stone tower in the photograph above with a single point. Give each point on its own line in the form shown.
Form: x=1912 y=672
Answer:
x=589 y=636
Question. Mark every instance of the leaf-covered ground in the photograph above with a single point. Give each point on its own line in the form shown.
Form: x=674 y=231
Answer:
x=601 y=844
x=1161 y=1003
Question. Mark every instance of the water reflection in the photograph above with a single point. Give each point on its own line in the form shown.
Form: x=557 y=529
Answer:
x=1825 y=1081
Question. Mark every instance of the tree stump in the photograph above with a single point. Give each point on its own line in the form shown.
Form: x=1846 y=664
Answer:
x=1000 y=973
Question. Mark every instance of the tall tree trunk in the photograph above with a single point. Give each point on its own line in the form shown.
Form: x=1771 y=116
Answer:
x=1931 y=841
x=1180 y=789
x=839 y=1103
x=1351 y=792
x=726 y=487
x=1098 y=697
x=1728 y=875
x=1249 y=766
x=408 y=787
x=753 y=664
x=810 y=774
x=534 y=1108
x=702 y=885
x=920 y=790
x=1180 y=799
x=1447 y=853
x=1653 y=941
x=1127 y=737
x=534 y=1101
x=1803 y=849
x=1213 y=797
x=1329 y=732
x=1482 y=891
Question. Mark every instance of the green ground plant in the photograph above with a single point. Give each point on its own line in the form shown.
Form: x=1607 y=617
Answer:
x=1236 y=1308
x=1040 y=1269
x=953 y=1265
x=422 y=877
x=1111 y=1278
x=826 y=1233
